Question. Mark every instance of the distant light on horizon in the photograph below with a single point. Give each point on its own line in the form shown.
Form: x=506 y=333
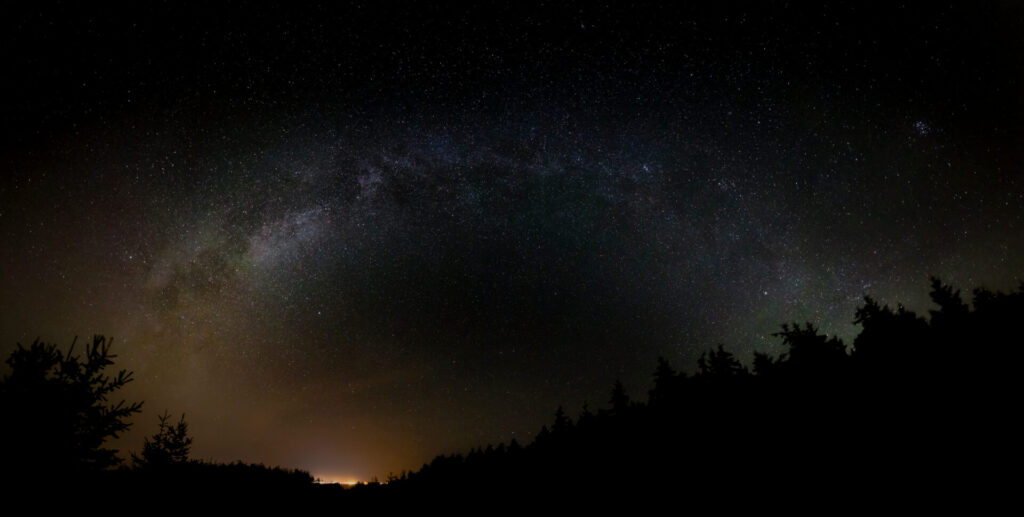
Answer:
x=345 y=240
x=327 y=481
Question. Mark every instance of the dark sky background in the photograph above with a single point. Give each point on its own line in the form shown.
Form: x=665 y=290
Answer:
x=349 y=238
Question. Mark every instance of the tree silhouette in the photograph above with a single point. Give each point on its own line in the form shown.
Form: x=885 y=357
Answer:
x=811 y=353
x=170 y=445
x=665 y=381
x=890 y=342
x=898 y=405
x=719 y=363
x=898 y=410
x=619 y=399
x=562 y=423
x=56 y=410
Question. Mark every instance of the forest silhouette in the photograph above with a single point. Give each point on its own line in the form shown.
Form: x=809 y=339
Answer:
x=916 y=407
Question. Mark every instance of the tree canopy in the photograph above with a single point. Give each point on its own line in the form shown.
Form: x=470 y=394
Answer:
x=57 y=409
x=170 y=445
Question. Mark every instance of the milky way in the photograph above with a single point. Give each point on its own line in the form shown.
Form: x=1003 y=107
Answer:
x=347 y=241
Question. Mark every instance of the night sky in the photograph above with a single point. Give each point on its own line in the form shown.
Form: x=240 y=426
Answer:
x=349 y=238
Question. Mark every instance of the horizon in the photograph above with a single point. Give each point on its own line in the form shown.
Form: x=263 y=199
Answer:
x=346 y=239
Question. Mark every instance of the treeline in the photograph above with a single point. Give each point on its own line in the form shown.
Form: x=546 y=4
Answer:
x=57 y=416
x=916 y=404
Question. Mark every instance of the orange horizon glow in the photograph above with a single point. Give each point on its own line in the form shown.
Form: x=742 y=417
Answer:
x=330 y=481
